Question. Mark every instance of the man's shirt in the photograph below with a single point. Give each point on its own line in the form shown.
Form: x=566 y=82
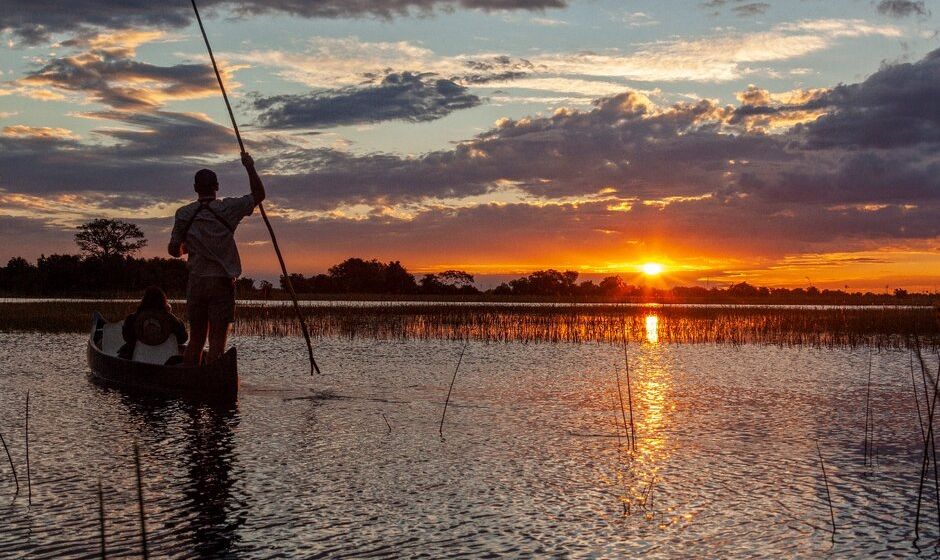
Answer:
x=210 y=243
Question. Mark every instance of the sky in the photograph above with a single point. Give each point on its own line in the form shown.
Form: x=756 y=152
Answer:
x=780 y=143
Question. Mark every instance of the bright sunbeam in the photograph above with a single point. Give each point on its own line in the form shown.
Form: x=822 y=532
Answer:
x=652 y=269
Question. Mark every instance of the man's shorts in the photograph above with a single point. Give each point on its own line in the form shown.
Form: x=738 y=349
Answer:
x=210 y=298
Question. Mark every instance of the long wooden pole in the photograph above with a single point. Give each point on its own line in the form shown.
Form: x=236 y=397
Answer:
x=241 y=146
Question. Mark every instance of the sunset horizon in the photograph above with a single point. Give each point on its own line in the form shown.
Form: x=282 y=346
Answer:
x=732 y=142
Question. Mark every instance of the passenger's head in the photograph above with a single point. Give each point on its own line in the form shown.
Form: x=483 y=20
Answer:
x=154 y=299
x=206 y=182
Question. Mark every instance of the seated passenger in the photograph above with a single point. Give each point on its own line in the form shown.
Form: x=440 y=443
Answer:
x=152 y=323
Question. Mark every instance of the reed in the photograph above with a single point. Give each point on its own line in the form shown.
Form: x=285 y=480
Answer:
x=617 y=422
x=140 y=504
x=453 y=379
x=869 y=420
x=832 y=514
x=881 y=327
x=920 y=417
x=29 y=481
x=12 y=467
x=928 y=444
x=104 y=550
x=622 y=412
x=626 y=363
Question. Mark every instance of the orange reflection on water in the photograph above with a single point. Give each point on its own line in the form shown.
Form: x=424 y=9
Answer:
x=652 y=329
x=653 y=404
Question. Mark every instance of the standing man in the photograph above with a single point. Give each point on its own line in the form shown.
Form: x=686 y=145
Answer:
x=205 y=230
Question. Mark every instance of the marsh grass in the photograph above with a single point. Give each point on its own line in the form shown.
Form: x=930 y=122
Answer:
x=879 y=327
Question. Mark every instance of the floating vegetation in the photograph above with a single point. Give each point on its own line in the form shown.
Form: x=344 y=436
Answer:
x=880 y=327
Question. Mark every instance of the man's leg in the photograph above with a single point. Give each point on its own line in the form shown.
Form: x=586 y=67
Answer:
x=198 y=329
x=218 y=336
x=197 y=309
x=221 y=315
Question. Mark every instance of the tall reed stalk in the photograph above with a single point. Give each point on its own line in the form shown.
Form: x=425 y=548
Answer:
x=12 y=467
x=832 y=514
x=104 y=550
x=929 y=445
x=140 y=504
x=626 y=363
x=453 y=379
x=29 y=481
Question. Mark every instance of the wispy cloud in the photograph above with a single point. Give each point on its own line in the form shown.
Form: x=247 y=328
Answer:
x=717 y=58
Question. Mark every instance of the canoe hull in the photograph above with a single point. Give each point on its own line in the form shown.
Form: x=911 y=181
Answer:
x=218 y=380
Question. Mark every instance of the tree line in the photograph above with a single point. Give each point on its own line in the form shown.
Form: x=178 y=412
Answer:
x=107 y=266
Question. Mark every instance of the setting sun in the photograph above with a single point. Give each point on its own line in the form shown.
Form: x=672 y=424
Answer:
x=652 y=269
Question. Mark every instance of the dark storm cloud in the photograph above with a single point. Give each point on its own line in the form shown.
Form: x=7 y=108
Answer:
x=895 y=107
x=399 y=96
x=33 y=20
x=902 y=8
x=113 y=77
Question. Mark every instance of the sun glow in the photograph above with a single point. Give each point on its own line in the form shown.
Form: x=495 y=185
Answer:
x=652 y=269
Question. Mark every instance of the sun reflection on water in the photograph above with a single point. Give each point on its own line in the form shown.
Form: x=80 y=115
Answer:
x=644 y=474
x=652 y=329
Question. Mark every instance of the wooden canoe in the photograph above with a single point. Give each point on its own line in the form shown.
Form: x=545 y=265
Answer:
x=215 y=381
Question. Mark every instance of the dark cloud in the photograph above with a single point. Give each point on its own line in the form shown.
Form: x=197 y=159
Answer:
x=738 y=7
x=111 y=76
x=902 y=8
x=149 y=159
x=895 y=107
x=751 y=9
x=398 y=96
x=499 y=68
x=34 y=21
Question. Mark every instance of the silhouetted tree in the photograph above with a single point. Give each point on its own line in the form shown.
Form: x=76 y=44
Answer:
x=546 y=283
x=356 y=275
x=109 y=238
x=449 y=282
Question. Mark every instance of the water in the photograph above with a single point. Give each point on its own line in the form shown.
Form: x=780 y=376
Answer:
x=725 y=466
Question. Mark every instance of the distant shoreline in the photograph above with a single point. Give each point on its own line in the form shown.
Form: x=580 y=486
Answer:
x=279 y=298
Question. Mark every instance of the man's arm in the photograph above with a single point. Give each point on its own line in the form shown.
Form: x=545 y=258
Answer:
x=177 y=248
x=257 y=187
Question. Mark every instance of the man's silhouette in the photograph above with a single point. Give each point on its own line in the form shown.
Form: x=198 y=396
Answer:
x=205 y=231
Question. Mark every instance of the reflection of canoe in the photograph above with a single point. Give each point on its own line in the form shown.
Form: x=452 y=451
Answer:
x=218 y=380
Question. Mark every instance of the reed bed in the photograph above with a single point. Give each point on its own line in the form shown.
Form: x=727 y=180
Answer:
x=878 y=327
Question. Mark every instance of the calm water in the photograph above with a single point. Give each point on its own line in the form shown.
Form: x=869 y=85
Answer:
x=725 y=465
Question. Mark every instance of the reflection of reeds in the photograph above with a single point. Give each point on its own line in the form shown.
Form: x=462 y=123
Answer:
x=882 y=327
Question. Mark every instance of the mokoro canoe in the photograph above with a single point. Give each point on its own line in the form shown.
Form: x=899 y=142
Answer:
x=218 y=380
